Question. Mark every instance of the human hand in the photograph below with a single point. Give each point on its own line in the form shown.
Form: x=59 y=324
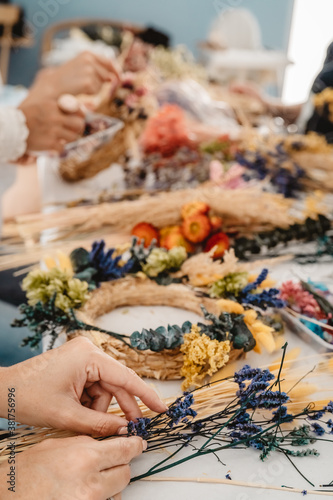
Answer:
x=50 y=128
x=72 y=469
x=249 y=89
x=71 y=388
x=85 y=74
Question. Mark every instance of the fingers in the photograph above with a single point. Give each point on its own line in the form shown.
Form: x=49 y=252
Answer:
x=115 y=374
x=74 y=123
x=119 y=451
x=128 y=404
x=109 y=65
x=100 y=399
x=88 y=421
x=114 y=481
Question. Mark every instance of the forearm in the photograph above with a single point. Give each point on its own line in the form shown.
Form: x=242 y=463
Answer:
x=7 y=394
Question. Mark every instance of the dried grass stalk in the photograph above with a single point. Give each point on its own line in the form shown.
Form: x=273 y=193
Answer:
x=244 y=207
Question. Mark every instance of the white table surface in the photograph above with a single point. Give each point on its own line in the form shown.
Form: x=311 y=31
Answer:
x=243 y=465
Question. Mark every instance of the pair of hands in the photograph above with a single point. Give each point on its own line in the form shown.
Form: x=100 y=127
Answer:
x=50 y=127
x=71 y=388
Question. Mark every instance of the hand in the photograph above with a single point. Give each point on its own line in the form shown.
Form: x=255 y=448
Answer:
x=49 y=127
x=72 y=469
x=249 y=89
x=71 y=388
x=83 y=75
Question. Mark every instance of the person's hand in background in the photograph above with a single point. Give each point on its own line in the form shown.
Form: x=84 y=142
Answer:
x=71 y=388
x=72 y=468
x=50 y=128
x=85 y=74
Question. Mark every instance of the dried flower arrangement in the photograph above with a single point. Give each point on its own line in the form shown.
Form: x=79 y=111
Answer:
x=312 y=304
x=96 y=282
x=271 y=410
x=293 y=163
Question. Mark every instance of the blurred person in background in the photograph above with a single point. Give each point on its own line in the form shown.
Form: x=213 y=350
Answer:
x=305 y=115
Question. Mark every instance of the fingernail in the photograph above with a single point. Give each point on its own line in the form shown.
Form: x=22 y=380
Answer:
x=144 y=445
x=122 y=431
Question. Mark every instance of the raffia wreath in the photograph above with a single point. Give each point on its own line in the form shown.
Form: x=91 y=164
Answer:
x=71 y=300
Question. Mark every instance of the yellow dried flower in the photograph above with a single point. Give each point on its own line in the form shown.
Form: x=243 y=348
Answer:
x=202 y=356
x=230 y=306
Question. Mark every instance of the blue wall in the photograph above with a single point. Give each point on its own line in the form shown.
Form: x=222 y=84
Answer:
x=187 y=21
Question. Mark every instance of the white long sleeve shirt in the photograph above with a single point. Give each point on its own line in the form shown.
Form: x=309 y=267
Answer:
x=13 y=144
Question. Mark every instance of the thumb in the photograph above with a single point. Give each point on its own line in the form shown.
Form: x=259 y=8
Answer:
x=92 y=422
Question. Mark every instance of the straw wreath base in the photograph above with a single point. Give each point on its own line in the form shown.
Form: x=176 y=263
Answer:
x=165 y=365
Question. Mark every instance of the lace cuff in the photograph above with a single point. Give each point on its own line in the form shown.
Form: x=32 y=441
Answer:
x=13 y=134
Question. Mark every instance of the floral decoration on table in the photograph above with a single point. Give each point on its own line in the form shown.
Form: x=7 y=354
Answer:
x=57 y=297
x=257 y=414
x=275 y=410
x=312 y=304
x=200 y=230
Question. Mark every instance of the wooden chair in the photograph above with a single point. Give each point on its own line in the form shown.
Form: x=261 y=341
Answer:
x=9 y=16
x=63 y=26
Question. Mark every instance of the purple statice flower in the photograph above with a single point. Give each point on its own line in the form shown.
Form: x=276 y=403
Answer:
x=139 y=428
x=329 y=424
x=269 y=400
x=318 y=429
x=107 y=266
x=265 y=299
x=246 y=430
x=257 y=445
x=329 y=407
x=252 y=286
x=281 y=414
x=304 y=492
x=227 y=476
x=181 y=409
x=317 y=415
x=196 y=427
x=248 y=373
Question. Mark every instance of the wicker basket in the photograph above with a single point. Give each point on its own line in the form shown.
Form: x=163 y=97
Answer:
x=131 y=291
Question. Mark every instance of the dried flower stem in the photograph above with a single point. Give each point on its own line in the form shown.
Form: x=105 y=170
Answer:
x=208 y=480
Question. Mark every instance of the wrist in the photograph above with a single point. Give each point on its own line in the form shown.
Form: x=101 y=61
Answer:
x=44 y=84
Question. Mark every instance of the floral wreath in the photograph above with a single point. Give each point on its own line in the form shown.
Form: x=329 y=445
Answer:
x=76 y=290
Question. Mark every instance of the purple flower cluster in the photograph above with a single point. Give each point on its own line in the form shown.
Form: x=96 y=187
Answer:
x=107 y=266
x=282 y=415
x=139 y=428
x=265 y=299
x=318 y=429
x=181 y=410
x=329 y=407
x=252 y=286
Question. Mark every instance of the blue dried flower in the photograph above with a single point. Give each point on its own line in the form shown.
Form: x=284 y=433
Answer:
x=227 y=476
x=329 y=424
x=318 y=429
x=180 y=410
x=139 y=428
x=107 y=266
x=329 y=407
x=281 y=414
x=252 y=286
x=317 y=415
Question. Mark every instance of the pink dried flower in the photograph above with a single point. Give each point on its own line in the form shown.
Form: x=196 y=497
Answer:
x=300 y=300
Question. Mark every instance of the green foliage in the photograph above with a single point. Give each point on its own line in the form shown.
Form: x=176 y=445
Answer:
x=42 y=286
x=230 y=285
x=161 y=260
